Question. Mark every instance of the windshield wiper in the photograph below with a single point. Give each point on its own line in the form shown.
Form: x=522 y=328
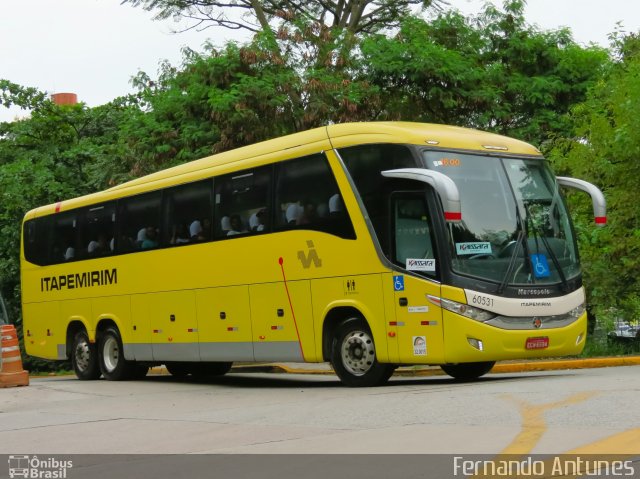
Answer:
x=514 y=255
x=554 y=259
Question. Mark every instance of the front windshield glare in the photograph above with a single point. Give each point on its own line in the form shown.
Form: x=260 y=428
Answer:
x=515 y=228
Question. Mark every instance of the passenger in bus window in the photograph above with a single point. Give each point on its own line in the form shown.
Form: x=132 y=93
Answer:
x=257 y=220
x=294 y=210
x=179 y=234
x=69 y=253
x=99 y=246
x=142 y=235
x=309 y=214
x=195 y=231
x=335 y=205
x=151 y=236
x=225 y=225
x=236 y=226
x=262 y=220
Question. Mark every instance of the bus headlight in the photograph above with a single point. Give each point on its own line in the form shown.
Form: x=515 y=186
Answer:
x=462 y=309
x=577 y=311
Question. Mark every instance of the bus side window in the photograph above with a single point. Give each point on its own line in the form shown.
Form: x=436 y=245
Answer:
x=412 y=234
x=242 y=202
x=187 y=214
x=364 y=164
x=139 y=222
x=64 y=240
x=36 y=235
x=307 y=197
x=97 y=231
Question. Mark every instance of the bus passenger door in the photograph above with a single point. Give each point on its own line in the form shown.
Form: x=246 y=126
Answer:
x=418 y=322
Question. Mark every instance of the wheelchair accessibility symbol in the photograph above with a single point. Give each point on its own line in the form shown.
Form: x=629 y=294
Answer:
x=398 y=283
x=540 y=266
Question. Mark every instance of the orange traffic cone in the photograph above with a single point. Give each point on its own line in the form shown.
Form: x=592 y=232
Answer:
x=11 y=372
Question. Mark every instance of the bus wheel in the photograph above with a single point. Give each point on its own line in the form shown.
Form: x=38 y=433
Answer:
x=112 y=363
x=84 y=357
x=178 y=370
x=353 y=356
x=467 y=371
x=140 y=372
x=211 y=369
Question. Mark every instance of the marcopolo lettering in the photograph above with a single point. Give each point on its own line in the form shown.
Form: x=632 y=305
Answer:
x=87 y=279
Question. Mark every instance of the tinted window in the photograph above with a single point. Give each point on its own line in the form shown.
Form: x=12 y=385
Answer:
x=307 y=197
x=188 y=214
x=64 y=240
x=36 y=235
x=413 y=245
x=97 y=231
x=242 y=203
x=364 y=164
x=139 y=222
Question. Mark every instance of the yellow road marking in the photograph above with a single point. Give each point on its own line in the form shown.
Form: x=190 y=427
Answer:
x=533 y=423
x=622 y=444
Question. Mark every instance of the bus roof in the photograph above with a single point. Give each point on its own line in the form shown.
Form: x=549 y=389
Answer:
x=317 y=139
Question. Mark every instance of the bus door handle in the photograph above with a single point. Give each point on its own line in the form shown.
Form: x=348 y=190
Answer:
x=403 y=301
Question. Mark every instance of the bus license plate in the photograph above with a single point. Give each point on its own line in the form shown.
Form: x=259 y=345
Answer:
x=537 y=343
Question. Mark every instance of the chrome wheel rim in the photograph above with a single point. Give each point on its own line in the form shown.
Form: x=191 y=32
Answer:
x=110 y=354
x=82 y=355
x=358 y=352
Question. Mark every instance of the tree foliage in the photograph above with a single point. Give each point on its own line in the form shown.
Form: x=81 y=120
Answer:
x=354 y=16
x=605 y=150
x=494 y=72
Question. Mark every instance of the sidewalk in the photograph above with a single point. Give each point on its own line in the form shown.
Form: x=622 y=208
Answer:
x=499 y=368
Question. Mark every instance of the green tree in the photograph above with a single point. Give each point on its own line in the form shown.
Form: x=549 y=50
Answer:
x=493 y=71
x=605 y=149
x=56 y=153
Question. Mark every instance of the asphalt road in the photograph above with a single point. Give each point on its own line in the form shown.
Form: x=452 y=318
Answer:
x=550 y=412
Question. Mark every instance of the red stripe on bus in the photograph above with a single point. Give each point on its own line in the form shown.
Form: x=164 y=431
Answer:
x=452 y=216
x=293 y=314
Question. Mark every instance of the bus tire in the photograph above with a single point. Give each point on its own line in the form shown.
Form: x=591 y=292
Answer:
x=140 y=372
x=112 y=363
x=211 y=369
x=84 y=357
x=467 y=371
x=178 y=370
x=353 y=355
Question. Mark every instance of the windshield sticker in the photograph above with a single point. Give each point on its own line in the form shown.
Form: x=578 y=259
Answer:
x=447 y=162
x=473 y=248
x=540 y=266
x=419 y=346
x=421 y=265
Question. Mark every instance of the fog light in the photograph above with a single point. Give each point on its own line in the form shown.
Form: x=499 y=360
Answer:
x=476 y=343
x=579 y=339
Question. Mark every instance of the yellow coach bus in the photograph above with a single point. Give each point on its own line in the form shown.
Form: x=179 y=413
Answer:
x=368 y=245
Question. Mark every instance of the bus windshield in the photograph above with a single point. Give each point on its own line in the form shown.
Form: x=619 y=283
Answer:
x=515 y=228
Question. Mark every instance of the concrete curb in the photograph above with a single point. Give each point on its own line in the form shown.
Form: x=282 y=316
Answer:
x=500 y=368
